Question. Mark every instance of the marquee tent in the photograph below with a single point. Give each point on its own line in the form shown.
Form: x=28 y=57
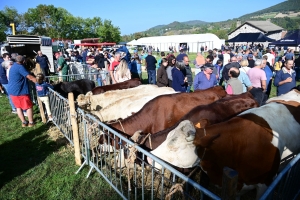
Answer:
x=193 y=41
x=134 y=43
x=250 y=37
x=292 y=38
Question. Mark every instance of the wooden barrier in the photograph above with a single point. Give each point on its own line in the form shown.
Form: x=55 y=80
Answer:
x=74 y=129
x=42 y=112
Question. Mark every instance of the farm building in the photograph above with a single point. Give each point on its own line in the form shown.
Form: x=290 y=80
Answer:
x=266 y=27
x=193 y=41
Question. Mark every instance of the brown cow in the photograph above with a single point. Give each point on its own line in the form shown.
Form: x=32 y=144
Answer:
x=118 y=86
x=204 y=115
x=164 y=111
x=251 y=143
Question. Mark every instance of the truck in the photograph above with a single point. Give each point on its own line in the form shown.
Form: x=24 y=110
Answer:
x=29 y=45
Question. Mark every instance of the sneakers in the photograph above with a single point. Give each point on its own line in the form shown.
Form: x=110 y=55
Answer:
x=25 y=123
x=50 y=119
x=14 y=112
x=31 y=124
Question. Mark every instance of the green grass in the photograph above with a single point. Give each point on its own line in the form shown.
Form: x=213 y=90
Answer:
x=34 y=166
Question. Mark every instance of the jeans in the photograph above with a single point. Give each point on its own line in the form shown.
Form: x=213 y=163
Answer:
x=10 y=101
x=188 y=89
x=99 y=80
x=152 y=76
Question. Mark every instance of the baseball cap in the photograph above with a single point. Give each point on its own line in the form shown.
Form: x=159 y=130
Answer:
x=250 y=56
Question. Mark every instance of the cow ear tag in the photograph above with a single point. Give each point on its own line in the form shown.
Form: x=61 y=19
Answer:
x=198 y=125
x=203 y=122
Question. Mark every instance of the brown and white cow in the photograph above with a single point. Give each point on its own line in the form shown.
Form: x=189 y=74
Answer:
x=251 y=143
x=169 y=143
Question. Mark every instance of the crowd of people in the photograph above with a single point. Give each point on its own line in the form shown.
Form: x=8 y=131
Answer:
x=238 y=70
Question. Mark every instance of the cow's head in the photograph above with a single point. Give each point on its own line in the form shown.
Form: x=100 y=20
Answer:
x=178 y=148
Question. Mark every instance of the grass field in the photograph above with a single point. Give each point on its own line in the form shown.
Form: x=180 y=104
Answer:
x=34 y=165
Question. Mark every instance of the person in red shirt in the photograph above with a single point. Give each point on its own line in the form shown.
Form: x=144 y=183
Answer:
x=113 y=65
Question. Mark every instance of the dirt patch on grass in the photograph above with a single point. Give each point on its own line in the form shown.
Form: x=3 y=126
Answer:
x=57 y=136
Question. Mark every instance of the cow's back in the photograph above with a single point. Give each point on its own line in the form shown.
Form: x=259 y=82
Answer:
x=118 y=86
x=165 y=110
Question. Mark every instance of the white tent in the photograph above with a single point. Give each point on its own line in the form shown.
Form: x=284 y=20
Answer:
x=193 y=41
x=133 y=43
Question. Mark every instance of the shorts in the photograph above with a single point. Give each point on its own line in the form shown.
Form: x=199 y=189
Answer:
x=22 y=101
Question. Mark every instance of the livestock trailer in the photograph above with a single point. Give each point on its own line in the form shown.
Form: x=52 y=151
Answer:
x=29 y=45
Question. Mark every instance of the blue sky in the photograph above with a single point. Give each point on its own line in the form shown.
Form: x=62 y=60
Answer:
x=133 y=16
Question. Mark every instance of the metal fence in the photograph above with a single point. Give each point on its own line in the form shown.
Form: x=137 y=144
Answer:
x=287 y=183
x=132 y=177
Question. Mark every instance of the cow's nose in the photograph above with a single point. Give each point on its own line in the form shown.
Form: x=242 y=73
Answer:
x=190 y=136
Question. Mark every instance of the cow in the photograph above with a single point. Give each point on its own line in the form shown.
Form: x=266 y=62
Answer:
x=168 y=147
x=251 y=143
x=164 y=111
x=99 y=101
x=118 y=86
x=132 y=104
x=77 y=87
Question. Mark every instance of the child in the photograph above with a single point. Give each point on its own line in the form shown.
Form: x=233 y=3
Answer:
x=42 y=92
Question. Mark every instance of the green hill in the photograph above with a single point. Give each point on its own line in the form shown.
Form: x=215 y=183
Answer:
x=223 y=27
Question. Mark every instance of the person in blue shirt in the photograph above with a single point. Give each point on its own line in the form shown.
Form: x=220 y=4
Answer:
x=19 y=91
x=42 y=93
x=269 y=75
x=285 y=79
x=179 y=81
x=84 y=55
x=44 y=63
x=205 y=79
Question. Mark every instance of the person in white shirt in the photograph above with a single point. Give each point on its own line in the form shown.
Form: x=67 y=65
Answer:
x=271 y=58
x=226 y=57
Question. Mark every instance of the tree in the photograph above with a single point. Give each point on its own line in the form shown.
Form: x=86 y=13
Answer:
x=9 y=15
x=109 y=33
x=44 y=20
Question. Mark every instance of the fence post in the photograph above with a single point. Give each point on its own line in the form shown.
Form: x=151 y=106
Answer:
x=74 y=129
x=229 y=183
x=42 y=110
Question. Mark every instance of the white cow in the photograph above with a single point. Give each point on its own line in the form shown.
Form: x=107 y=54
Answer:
x=178 y=148
x=100 y=101
x=124 y=107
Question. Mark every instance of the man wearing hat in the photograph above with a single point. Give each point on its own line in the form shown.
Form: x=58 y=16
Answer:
x=151 y=68
x=205 y=79
x=181 y=55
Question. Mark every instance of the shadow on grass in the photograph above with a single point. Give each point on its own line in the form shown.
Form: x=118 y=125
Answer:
x=22 y=154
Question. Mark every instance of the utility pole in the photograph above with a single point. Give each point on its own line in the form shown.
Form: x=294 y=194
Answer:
x=13 y=28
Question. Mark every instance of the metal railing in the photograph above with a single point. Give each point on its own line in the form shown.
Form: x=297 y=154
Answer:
x=135 y=179
x=287 y=184
x=61 y=114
